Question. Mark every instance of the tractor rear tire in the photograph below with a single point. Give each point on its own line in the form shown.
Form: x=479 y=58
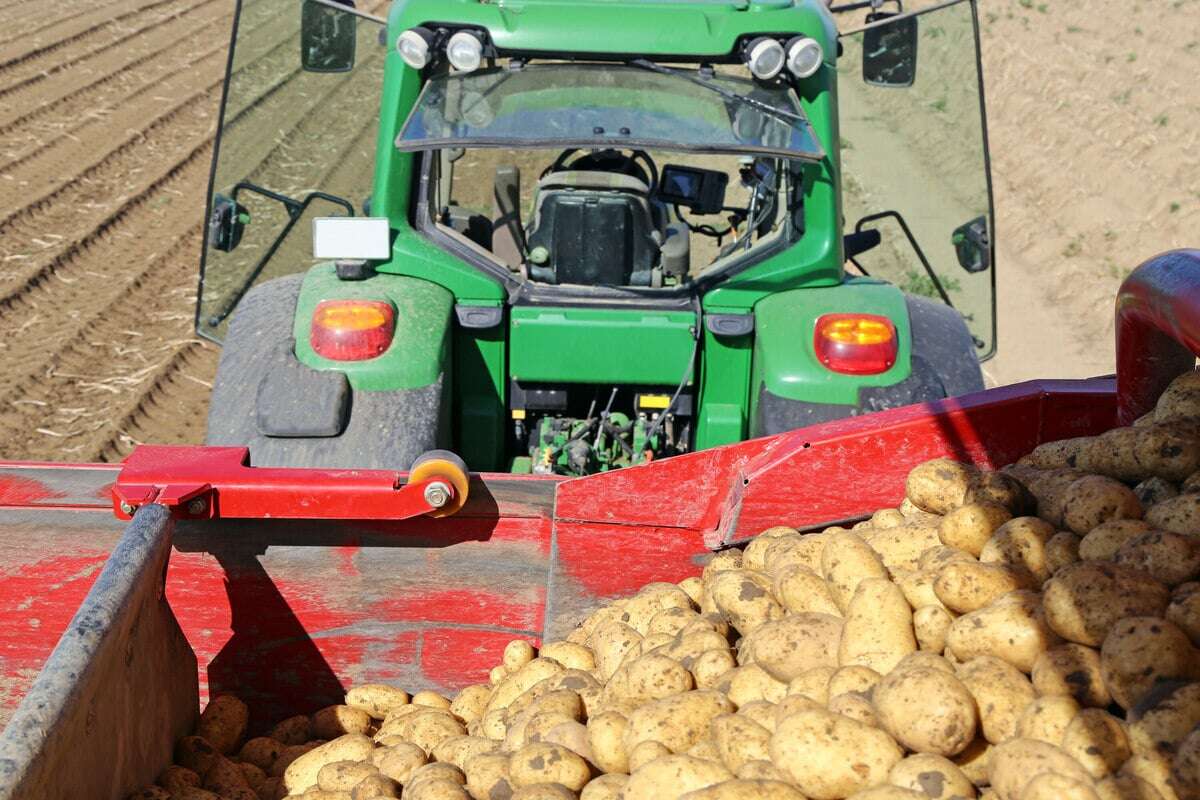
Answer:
x=383 y=430
x=943 y=346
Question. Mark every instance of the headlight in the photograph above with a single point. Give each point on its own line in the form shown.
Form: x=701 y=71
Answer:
x=765 y=57
x=804 y=56
x=465 y=51
x=414 y=45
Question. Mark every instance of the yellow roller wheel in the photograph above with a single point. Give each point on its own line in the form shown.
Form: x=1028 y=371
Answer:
x=446 y=466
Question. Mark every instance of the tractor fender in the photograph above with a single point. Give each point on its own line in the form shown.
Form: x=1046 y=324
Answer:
x=292 y=413
x=419 y=352
x=791 y=389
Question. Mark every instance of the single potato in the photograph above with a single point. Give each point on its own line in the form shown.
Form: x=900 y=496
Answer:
x=1011 y=628
x=926 y=710
x=1021 y=543
x=966 y=586
x=1140 y=652
x=1094 y=499
x=1046 y=718
x=939 y=486
x=1016 y=762
x=878 y=631
x=788 y=647
x=1097 y=740
x=1001 y=692
x=933 y=776
x=1084 y=600
x=1074 y=670
x=828 y=756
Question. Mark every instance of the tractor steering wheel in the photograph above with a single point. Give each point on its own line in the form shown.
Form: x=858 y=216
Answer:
x=608 y=160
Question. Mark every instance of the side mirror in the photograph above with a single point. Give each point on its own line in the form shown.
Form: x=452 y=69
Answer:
x=972 y=245
x=226 y=223
x=890 y=51
x=327 y=37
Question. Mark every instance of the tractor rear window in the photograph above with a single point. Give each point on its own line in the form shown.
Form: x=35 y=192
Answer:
x=592 y=105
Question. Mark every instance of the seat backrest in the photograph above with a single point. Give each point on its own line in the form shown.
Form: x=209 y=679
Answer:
x=597 y=228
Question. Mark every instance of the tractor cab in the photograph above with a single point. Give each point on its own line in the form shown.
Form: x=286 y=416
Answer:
x=567 y=237
x=605 y=175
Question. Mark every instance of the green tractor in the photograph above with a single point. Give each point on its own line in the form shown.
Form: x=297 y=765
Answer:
x=568 y=236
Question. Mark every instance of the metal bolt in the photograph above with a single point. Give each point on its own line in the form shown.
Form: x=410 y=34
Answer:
x=197 y=507
x=437 y=494
x=126 y=508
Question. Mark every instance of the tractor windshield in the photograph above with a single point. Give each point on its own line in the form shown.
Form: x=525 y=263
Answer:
x=604 y=106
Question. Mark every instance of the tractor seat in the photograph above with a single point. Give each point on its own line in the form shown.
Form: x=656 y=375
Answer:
x=595 y=228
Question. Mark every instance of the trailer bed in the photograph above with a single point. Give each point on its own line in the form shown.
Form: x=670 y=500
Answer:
x=100 y=620
x=289 y=612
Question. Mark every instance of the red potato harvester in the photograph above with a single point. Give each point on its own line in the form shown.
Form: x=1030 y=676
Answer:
x=285 y=586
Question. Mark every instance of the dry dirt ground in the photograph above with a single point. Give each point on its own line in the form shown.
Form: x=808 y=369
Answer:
x=107 y=110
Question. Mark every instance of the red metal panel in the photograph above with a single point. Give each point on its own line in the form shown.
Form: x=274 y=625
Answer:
x=56 y=486
x=596 y=562
x=89 y=487
x=1158 y=328
x=48 y=561
x=289 y=614
x=836 y=471
x=850 y=468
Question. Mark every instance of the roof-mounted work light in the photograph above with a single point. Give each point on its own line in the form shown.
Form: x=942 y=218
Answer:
x=804 y=56
x=465 y=51
x=765 y=57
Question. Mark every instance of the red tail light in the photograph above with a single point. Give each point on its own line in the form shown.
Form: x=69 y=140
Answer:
x=352 y=330
x=856 y=344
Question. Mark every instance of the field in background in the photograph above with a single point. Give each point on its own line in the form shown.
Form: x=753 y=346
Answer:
x=1095 y=131
x=107 y=109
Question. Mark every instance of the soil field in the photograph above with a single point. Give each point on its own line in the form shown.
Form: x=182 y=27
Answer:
x=107 y=113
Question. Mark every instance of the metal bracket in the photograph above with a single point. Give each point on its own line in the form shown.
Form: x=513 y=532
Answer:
x=219 y=483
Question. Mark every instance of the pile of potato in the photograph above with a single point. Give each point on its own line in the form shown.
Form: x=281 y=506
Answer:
x=1027 y=634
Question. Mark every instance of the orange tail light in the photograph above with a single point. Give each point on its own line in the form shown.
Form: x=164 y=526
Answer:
x=856 y=344
x=352 y=330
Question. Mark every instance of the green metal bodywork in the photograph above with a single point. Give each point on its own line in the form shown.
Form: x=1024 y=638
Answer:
x=592 y=345
x=609 y=344
x=784 y=355
x=651 y=27
x=420 y=348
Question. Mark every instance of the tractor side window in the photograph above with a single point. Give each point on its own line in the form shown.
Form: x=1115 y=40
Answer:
x=914 y=160
x=297 y=140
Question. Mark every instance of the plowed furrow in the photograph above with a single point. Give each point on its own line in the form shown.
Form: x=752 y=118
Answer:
x=36 y=240
x=33 y=59
x=23 y=18
x=59 y=163
x=53 y=315
x=98 y=272
x=71 y=284
x=46 y=176
x=112 y=77
x=54 y=105
x=172 y=409
x=27 y=18
x=97 y=383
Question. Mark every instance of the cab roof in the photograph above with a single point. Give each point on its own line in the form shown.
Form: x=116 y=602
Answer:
x=705 y=29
